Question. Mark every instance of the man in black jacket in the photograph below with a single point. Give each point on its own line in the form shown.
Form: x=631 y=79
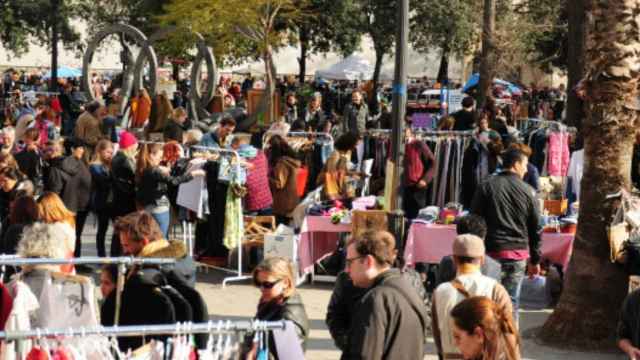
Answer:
x=152 y=294
x=464 y=118
x=390 y=320
x=510 y=208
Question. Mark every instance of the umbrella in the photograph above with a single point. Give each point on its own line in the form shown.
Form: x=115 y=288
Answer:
x=475 y=78
x=65 y=72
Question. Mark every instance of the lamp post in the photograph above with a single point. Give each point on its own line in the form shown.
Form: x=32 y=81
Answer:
x=399 y=111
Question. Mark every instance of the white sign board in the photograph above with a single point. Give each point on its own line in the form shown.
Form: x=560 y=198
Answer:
x=455 y=100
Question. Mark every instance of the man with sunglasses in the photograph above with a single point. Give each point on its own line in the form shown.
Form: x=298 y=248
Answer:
x=390 y=320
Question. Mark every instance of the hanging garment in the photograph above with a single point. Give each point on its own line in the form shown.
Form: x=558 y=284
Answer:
x=191 y=194
x=67 y=302
x=258 y=192
x=6 y=305
x=25 y=306
x=210 y=233
x=575 y=173
x=558 y=156
x=233 y=220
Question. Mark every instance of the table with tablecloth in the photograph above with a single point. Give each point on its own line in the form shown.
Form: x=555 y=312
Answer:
x=318 y=237
x=429 y=243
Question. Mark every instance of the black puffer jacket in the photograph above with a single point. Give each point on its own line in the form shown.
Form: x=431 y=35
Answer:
x=291 y=309
x=344 y=300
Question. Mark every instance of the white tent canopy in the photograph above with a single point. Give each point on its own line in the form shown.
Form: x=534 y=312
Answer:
x=354 y=67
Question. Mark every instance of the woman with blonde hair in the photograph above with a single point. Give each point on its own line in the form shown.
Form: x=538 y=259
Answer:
x=51 y=210
x=482 y=330
x=152 y=180
x=102 y=191
x=279 y=299
x=161 y=112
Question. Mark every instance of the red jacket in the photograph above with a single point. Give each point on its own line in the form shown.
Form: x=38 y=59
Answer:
x=419 y=163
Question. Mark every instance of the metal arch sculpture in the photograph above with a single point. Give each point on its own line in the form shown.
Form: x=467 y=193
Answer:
x=140 y=39
x=198 y=101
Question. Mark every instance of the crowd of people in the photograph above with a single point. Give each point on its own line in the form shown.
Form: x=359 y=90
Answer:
x=62 y=161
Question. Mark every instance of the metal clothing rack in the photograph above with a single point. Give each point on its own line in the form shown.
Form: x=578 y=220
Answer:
x=122 y=263
x=560 y=125
x=377 y=132
x=302 y=134
x=444 y=132
x=238 y=276
x=211 y=327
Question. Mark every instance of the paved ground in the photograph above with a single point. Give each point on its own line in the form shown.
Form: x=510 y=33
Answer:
x=239 y=300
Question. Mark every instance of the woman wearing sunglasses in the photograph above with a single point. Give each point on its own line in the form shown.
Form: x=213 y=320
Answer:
x=279 y=299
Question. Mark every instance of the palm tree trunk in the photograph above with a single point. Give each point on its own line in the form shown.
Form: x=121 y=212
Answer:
x=576 y=56
x=594 y=288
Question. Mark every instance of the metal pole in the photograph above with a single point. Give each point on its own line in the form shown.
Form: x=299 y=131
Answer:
x=55 y=7
x=399 y=111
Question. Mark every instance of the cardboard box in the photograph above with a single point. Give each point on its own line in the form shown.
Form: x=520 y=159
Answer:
x=556 y=207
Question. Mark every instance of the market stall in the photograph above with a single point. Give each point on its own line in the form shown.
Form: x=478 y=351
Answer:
x=429 y=243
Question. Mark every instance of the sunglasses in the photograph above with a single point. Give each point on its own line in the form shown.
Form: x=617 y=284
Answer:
x=267 y=284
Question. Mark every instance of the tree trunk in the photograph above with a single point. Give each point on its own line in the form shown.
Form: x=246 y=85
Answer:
x=175 y=67
x=55 y=9
x=594 y=289
x=372 y=101
x=443 y=71
x=377 y=70
x=270 y=75
x=487 y=62
x=304 y=48
x=576 y=57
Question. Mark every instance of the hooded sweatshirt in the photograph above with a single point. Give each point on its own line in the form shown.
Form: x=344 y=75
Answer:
x=76 y=193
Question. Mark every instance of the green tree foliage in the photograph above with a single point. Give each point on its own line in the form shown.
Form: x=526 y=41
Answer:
x=378 y=19
x=547 y=38
x=24 y=21
x=326 y=25
x=240 y=29
x=450 y=24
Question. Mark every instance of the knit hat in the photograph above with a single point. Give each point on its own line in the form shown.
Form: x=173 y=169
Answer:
x=127 y=140
x=468 y=245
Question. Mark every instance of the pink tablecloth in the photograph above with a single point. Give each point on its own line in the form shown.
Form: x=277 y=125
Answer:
x=324 y=236
x=430 y=243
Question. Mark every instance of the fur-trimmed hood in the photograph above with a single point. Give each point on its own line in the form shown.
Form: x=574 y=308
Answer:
x=164 y=249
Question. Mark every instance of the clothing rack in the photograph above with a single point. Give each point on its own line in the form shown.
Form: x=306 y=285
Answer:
x=374 y=132
x=543 y=122
x=135 y=330
x=218 y=150
x=443 y=132
x=122 y=263
x=238 y=276
x=303 y=134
